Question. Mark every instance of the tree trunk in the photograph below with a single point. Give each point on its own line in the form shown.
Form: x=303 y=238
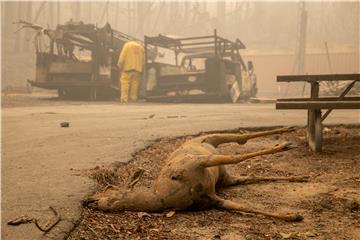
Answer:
x=28 y=35
x=58 y=16
x=51 y=15
x=104 y=14
x=38 y=12
x=116 y=21
x=19 y=33
x=140 y=18
x=76 y=13
x=90 y=12
x=220 y=14
x=186 y=15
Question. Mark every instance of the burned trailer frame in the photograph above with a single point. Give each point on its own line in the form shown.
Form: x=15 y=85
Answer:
x=222 y=77
x=80 y=61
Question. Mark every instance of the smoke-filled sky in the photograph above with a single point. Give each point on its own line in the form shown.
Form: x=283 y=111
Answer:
x=270 y=25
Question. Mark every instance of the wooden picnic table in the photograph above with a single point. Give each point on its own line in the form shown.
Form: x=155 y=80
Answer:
x=315 y=104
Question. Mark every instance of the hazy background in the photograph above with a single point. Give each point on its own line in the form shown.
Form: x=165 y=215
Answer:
x=270 y=30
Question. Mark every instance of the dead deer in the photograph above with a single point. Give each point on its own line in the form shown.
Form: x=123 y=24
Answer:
x=190 y=177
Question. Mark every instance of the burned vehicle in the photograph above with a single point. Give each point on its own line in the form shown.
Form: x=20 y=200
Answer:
x=78 y=60
x=205 y=68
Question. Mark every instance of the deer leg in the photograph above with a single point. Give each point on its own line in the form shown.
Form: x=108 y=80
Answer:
x=233 y=181
x=217 y=139
x=246 y=208
x=217 y=159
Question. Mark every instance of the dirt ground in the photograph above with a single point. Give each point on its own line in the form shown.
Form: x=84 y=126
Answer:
x=329 y=202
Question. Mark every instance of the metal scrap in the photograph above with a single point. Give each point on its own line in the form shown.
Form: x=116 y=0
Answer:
x=48 y=226
x=26 y=219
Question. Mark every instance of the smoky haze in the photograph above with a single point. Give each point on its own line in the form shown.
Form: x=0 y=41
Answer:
x=270 y=31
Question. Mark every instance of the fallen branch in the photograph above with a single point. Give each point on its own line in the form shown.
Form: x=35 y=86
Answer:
x=20 y=220
x=26 y=24
x=93 y=231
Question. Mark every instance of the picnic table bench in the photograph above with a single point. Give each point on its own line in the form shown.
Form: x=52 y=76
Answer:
x=315 y=104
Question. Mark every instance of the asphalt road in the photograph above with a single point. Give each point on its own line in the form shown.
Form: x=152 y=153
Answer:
x=41 y=160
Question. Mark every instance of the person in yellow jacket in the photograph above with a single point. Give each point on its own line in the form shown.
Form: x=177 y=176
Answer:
x=131 y=64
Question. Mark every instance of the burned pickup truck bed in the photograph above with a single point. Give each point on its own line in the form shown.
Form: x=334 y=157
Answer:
x=77 y=59
x=205 y=68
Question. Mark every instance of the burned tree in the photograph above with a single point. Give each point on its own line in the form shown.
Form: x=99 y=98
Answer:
x=190 y=177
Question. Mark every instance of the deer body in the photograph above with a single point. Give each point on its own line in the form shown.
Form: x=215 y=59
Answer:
x=190 y=177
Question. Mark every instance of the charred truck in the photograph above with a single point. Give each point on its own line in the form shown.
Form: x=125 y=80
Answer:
x=77 y=59
x=205 y=68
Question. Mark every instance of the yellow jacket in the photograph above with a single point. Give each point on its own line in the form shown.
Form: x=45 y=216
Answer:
x=131 y=57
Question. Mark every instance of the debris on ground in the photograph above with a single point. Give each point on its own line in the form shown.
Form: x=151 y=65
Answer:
x=20 y=220
x=64 y=124
x=170 y=214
